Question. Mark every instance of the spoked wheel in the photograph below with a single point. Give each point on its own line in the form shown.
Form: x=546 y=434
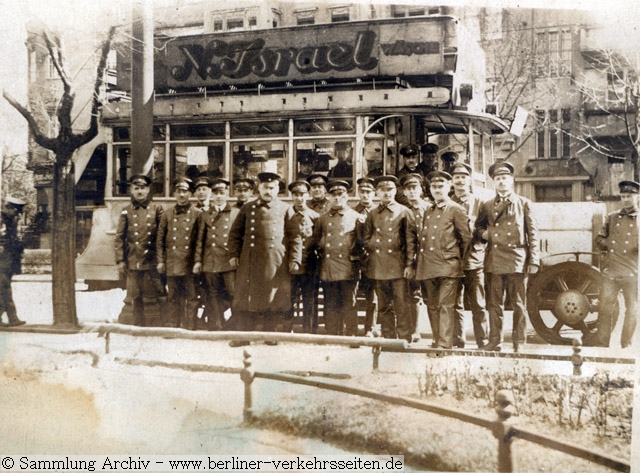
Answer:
x=563 y=301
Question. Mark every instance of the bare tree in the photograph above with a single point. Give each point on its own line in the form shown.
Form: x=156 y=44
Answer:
x=63 y=147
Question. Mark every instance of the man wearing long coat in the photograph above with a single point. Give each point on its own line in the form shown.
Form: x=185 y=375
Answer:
x=264 y=246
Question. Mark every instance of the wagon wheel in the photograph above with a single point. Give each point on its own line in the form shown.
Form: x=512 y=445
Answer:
x=569 y=293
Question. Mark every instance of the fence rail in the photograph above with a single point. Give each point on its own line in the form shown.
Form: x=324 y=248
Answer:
x=501 y=427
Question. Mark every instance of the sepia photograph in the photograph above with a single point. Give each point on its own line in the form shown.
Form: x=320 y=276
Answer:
x=392 y=235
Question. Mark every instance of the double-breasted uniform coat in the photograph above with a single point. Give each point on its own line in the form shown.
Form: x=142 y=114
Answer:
x=212 y=251
x=176 y=247
x=135 y=245
x=512 y=245
x=265 y=243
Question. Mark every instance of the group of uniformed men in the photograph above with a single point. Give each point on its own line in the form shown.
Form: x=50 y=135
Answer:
x=435 y=239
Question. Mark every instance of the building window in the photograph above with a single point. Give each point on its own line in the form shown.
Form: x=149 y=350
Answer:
x=305 y=16
x=566 y=134
x=275 y=21
x=306 y=21
x=235 y=24
x=400 y=11
x=540 y=133
x=339 y=14
x=554 y=134
x=553 y=193
x=553 y=53
x=217 y=25
x=253 y=21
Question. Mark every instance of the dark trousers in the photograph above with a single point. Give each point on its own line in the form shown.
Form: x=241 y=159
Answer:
x=367 y=287
x=135 y=290
x=304 y=287
x=248 y=321
x=441 y=299
x=415 y=296
x=392 y=311
x=471 y=295
x=340 y=315
x=219 y=290
x=514 y=285
x=182 y=301
x=6 y=298
x=608 y=302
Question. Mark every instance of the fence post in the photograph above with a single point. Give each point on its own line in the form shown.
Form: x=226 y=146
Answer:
x=376 y=350
x=247 y=375
x=107 y=340
x=576 y=358
x=502 y=429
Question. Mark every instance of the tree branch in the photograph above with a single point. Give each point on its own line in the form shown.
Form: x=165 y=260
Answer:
x=38 y=136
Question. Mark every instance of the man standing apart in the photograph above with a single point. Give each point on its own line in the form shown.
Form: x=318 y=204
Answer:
x=135 y=242
x=508 y=225
x=366 y=192
x=11 y=249
x=389 y=239
x=304 y=280
x=618 y=238
x=336 y=237
x=471 y=291
x=212 y=254
x=265 y=250
x=176 y=250
x=318 y=202
x=443 y=238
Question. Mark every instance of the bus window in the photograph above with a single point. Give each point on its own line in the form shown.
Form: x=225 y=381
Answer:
x=122 y=159
x=325 y=126
x=271 y=128
x=334 y=159
x=373 y=164
x=250 y=159
x=197 y=132
x=194 y=160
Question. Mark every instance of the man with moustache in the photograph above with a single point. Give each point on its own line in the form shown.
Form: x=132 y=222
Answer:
x=471 y=290
x=389 y=239
x=336 y=238
x=304 y=279
x=135 y=242
x=176 y=246
x=443 y=237
x=507 y=224
x=212 y=258
x=366 y=193
x=264 y=248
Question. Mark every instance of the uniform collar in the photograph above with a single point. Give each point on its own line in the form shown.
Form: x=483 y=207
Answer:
x=332 y=212
x=182 y=209
x=629 y=212
x=442 y=204
x=137 y=204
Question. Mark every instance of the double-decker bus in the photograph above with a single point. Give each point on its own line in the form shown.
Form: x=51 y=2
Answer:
x=292 y=100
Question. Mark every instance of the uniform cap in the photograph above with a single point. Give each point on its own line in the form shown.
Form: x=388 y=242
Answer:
x=182 y=183
x=503 y=167
x=19 y=203
x=412 y=178
x=434 y=176
x=338 y=184
x=449 y=156
x=629 y=187
x=244 y=182
x=429 y=148
x=409 y=150
x=268 y=177
x=462 y=168
x=314 y=177
x=202 y=181
x=299 y=183
x=366 y=182
x=140 y=180
x=381 y=180
x=218 y=183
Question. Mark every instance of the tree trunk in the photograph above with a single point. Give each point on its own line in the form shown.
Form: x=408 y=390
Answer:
x=63 y=264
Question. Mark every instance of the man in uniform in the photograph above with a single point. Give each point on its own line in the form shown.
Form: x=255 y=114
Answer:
x=507 y=224
x=11 y=249
x=336 y=237
x=443 y=238
x=265 y=250
x=429 y=161
x=471 y=291
x=175 y=252
x=618 y=239
x=318 y=202
x=412 y=184
x=212 y=254
x=366 y=192
x=135 y=242
x=203 y=192
x=449 y=160
x=304 y=280
x=411 y=157
x=389 y=239
x=243 y=190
